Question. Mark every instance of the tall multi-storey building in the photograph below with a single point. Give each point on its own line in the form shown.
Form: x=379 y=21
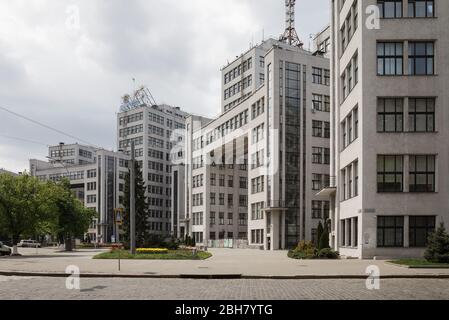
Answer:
x=97 y=179
x=389 y=114
x=252 y=173
x=158 y=134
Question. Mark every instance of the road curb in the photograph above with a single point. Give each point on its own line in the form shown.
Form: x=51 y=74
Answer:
x=218 y=276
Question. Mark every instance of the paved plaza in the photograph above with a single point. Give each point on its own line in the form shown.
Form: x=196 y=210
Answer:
x=18 y=288
x=223 y=262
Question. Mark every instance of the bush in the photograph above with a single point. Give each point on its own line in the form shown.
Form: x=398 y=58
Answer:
x=438 y=246
x=172 y=245
x=151 y=251
x=306 y=250
x=328 y=253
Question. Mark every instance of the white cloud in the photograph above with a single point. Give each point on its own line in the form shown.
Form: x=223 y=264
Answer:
x=73 y=78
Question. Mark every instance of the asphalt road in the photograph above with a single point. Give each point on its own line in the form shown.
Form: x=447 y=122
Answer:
x=25 y=288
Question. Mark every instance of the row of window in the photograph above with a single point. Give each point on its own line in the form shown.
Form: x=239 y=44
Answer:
x=319 y=181
x=350 y=76
x=229 y=126
x=390 y=231
x=416 y=8
x=243 y=200
x=350 y=181
x=237 y=71
x=258 y=185
x=131 y=118
x=213 y=181
x=350 y=128
x=62 y=153
x=238 y=87
x=349 y=27
x=258 y=108
x=198 y=181
x=131 y=130
x=421 y=114
x=390 y=173
x=138 y=141
x=421 y=58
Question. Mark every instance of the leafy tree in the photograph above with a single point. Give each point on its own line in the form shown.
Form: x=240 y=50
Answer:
x=438 y=246
x=73 y=219
x=320 y=231
x=142 y=214
x=324 y=239
x=26 y=209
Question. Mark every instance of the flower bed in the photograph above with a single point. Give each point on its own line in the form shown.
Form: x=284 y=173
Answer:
x=151 y=251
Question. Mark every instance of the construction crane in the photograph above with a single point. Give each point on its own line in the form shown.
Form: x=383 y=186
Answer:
x=290 y=35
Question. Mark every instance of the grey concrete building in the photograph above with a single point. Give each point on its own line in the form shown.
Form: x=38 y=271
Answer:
x=389 y=118
x=96 y=177
x=252 y=173
x=158 y=133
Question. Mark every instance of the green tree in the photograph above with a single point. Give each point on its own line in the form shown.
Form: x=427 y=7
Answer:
x=319 y=234
x=142 y=212
x=26 y=209
x=438 y=246
x=73 y=219
x=324 y=239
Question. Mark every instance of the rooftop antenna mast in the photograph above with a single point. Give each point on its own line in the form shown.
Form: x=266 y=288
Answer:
x=290 y=36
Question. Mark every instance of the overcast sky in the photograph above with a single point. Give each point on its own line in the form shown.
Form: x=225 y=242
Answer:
x=69 y=71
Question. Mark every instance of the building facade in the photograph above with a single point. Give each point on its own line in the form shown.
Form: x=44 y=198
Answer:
x=158 y=135
x=389 y=138
x=97 y=178
x=252 y=173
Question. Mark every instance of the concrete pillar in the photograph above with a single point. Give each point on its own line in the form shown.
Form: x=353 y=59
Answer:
x=275 y=216
x=406 y=233
x=283 y=230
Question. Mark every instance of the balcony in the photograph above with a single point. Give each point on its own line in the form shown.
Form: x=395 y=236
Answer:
x=329 y=188
x=275 y=205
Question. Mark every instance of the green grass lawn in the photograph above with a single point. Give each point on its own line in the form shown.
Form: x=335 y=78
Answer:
x=420 y=263
x=171 y=255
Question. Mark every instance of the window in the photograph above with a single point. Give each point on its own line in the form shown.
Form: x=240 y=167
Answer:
x=390 y=115
x=317 y=128
x=327 y=104
x=317 y=101
x=327 y=77
x=422 y=173
x=390 y=232
x=213 y=199
x=421 y=58
x=317 y=210
x=421 y=115
x=221 y=218
x=317 y=182
x=230 y=218
x=212 y=218
x=317 y=75
x=390 y=174
x=420 y=228
x=390 y=8
x=421 y=8
x=327 y=130
x=390 y=58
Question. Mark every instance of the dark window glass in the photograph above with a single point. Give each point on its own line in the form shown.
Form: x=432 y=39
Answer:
x=390 y=8
x=390 y=115
x=390 y=232
x=421 y=58
x=420 y=230
x=422 y=115
x=390 y=58
x=390 y=174
x=421 y=8
x=422 y=173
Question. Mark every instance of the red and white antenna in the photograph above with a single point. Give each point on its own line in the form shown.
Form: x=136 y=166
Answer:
x=290 y=36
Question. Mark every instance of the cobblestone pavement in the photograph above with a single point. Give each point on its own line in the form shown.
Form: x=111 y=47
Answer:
x=18 y=288
x=223 y=261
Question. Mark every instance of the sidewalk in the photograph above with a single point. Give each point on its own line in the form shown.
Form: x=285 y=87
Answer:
x=225 y=263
